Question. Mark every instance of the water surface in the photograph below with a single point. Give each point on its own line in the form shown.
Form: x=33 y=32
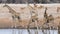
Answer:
x=24 y=31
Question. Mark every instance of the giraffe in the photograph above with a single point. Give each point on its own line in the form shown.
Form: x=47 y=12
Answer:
x=48 y=20
x=46 y=15
x=14 y=13
x=45 y=25
x=34 y=17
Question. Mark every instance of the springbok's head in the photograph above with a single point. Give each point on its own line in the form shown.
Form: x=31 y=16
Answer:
x=5 y=5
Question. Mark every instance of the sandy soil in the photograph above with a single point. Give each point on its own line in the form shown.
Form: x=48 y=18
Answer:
x=6 y=20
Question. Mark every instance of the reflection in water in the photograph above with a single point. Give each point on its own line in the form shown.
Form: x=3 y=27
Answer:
x=24 y=31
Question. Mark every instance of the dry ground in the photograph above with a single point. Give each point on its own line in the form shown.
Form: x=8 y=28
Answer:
x=6 y=20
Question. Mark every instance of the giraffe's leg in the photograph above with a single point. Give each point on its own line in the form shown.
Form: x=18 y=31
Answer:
x=19 y=19
x=33 y=20
x=28 y=27
x=13 y=17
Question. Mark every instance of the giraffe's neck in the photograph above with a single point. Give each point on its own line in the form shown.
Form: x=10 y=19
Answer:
x=45 y=14
x=11 y=10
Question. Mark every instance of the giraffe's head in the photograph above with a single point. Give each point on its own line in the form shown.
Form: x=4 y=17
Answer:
x=5 y=5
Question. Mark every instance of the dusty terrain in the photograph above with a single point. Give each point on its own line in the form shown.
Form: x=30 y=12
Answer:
x=6 y=20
